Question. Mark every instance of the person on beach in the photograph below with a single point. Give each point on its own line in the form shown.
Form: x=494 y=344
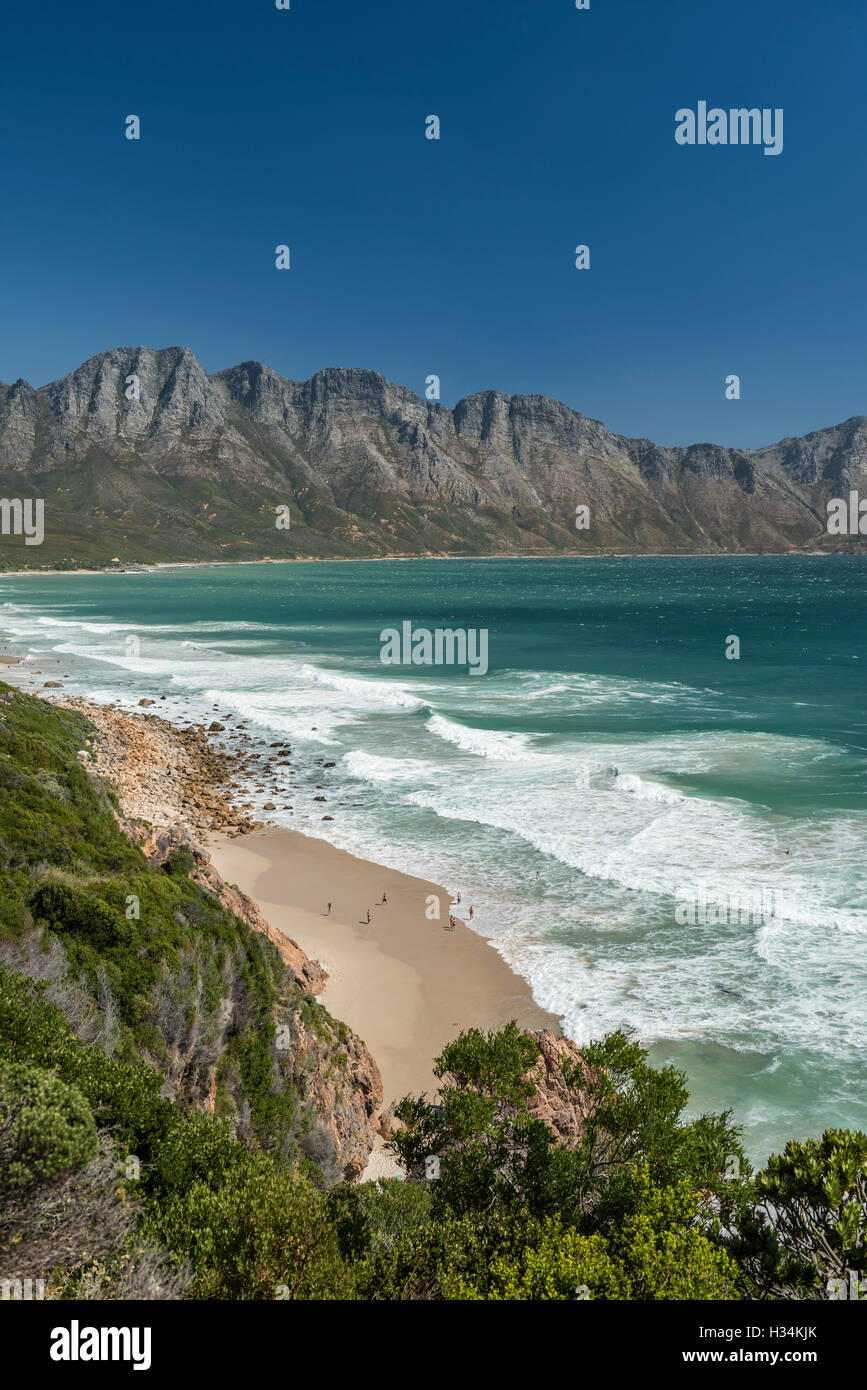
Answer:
x=471 y=914
x=459 y=897
x=328 y=913
x=384 y=898
x=451 y=923
x=368 y=916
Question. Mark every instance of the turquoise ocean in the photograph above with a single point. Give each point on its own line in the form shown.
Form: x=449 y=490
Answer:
x=611 y=748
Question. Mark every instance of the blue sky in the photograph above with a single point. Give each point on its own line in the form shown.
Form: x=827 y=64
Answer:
x=456 y=257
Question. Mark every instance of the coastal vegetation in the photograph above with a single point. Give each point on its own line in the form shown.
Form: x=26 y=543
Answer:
x=155 y=1142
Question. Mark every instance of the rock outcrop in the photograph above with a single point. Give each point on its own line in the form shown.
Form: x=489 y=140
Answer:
x=345 y=1087
x=165 y=774
x=560 y=1104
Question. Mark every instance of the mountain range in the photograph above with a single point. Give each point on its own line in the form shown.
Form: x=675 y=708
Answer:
x=142 y=456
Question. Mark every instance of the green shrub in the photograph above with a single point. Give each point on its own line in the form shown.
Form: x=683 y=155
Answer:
x=75 y=914
x=443 y=1256
x=122 y=1096
x=46 y=1127
x=202 y=1149
x=180 y=864
x=808 y=1224
x=261 y=1235
x=372 y=1216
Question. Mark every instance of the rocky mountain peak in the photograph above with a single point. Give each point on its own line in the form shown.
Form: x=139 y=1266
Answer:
x=375 y=468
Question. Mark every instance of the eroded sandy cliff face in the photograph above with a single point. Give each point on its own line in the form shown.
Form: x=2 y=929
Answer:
x=324 y=1061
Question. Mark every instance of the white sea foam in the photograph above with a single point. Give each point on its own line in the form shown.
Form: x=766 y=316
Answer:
x=619 y=828
x=484 y=743
x=386 y=693
x=21 y=616
x=376 y=769
x=97 y=628
x=634 y=785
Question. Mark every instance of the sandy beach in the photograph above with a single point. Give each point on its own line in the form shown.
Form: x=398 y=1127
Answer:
x=405 y=983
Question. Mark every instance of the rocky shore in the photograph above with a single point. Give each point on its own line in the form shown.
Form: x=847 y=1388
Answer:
x=172 y=786
x=166 y=774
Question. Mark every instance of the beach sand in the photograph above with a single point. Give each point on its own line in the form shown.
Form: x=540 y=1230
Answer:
x=405 y=984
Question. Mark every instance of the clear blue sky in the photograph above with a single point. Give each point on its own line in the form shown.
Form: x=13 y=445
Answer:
x=409 y=256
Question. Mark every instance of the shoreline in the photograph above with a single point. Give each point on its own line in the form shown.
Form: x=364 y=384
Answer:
x=406 y=984
x=151 y=566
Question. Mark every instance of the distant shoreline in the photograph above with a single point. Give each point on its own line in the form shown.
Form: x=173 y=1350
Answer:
x=148 y=567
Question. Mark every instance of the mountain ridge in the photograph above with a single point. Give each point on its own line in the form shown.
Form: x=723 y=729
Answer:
x=142 y=455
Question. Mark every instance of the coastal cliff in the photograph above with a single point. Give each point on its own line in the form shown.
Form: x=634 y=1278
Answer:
x=150 y=954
